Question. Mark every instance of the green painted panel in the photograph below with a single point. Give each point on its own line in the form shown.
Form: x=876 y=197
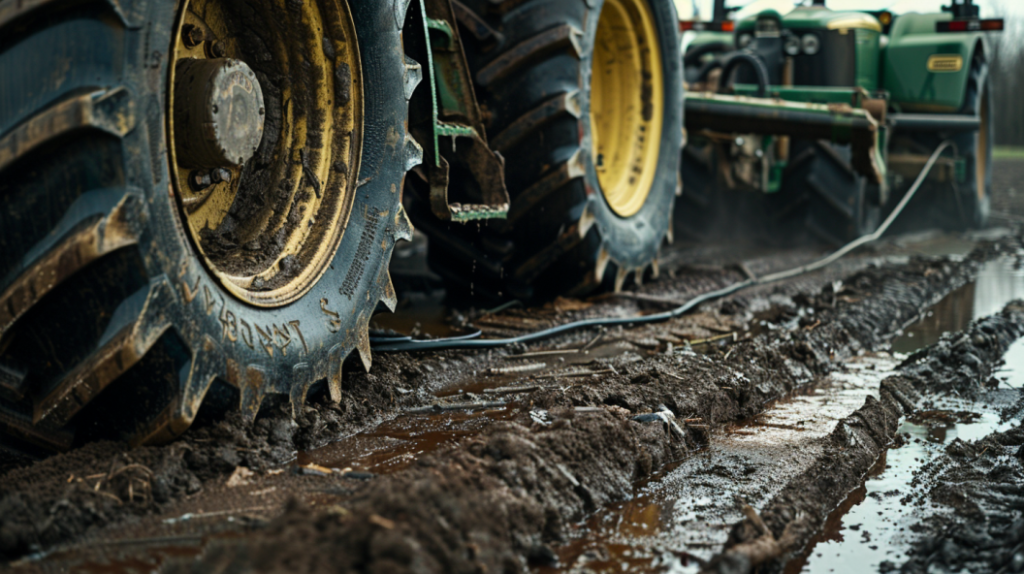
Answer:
x=905 y=64
x=808 y=94
x=868 y=58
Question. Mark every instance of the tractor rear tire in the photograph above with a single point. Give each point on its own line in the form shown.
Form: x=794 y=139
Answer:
x=959 y=206
x=535 y=71
x=823 y=198
x=115 y=320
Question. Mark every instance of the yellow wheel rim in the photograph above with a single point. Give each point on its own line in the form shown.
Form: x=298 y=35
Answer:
x=268 y=225
x=626 y=104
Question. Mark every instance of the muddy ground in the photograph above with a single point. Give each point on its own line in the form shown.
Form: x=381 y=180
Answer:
x=494 y=461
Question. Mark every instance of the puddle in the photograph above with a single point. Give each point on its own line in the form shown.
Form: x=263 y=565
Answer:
x=998 y=282
x=685 y=511
x=398 y=443
x=421 y=315
x=873 y=523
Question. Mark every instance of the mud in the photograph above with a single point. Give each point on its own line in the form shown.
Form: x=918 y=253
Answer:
x=961 y=364
x=977 y=492
x=562 y=451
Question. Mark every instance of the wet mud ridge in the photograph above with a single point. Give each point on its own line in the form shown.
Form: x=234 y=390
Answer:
x=960 y=364
x=505 y=497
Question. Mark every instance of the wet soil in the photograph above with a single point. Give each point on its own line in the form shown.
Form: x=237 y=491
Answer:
x=960 y=364
x=502 y=490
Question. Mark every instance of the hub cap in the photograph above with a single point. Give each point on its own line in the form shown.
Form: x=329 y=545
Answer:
x=265 y=131
x=626 y=104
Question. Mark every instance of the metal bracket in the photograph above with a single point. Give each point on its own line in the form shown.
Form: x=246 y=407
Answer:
x=453 y=138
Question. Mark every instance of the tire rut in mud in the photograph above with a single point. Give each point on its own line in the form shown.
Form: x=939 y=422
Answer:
x=961 y=364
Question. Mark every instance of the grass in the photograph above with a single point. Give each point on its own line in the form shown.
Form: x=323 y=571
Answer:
x=1008 y=152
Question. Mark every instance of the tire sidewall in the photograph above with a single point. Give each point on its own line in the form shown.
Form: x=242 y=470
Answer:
x=633 y=242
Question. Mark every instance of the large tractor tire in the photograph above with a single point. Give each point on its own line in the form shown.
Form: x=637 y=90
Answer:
x=823 y=198
x=585 y=103
x=965 y=205
x=199 y=206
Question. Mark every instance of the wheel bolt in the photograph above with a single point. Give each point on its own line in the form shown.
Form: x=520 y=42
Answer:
x=191 y=35
x=215 y=49
x=219 y=174
x=199 y=180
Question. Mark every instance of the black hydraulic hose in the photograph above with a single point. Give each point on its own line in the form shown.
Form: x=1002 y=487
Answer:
x=473 y=341
x=693 y=55
x=754 y=62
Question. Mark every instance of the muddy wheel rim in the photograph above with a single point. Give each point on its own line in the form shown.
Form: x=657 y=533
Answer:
x=626 y=104
x=268 y=222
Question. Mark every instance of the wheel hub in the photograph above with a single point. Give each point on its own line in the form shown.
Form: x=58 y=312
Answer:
x=219 y=113
x=265 y=132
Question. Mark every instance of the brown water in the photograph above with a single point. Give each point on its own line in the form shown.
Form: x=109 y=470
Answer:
x=396 y=444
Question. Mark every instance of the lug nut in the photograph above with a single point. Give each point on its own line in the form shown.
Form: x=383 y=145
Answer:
x=215 y=49
x=191 y=35
x=199 y=179
x=219 y=174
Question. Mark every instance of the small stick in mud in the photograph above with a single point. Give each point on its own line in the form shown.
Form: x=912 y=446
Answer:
x=732 y=335
x=433 y=409
x=512 y=390
x=516 y=369
x=580 y=374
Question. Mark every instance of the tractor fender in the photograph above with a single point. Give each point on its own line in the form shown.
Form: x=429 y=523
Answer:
x=927 y=71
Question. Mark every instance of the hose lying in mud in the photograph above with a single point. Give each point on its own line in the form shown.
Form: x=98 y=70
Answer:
x=473 y=340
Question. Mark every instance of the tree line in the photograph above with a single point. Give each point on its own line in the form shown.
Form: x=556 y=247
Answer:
x=1006 y=67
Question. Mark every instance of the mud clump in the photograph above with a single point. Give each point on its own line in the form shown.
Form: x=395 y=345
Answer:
x=56 y=500
x=982 y=484
x=960 y=363
x=489 y=506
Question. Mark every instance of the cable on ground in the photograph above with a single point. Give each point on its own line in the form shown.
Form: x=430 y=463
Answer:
x=473 y=340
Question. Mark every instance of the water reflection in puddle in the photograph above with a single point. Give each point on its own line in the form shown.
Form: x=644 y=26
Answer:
x=998 y=282
x=873 y=524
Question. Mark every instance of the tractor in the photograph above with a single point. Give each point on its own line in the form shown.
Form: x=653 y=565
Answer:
x=202 y=197
x=827 y=116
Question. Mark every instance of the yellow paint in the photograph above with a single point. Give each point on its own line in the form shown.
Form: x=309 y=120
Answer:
x=855 y=22
x=942 y=63
x=626 y=104
x=313 y=241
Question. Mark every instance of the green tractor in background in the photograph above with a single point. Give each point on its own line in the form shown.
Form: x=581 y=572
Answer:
x=824 y=118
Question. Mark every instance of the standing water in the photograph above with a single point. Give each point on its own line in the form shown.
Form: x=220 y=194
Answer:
x=873 y=525
x=684 y=514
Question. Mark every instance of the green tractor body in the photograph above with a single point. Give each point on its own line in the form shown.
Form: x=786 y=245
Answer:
x=843 y=109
